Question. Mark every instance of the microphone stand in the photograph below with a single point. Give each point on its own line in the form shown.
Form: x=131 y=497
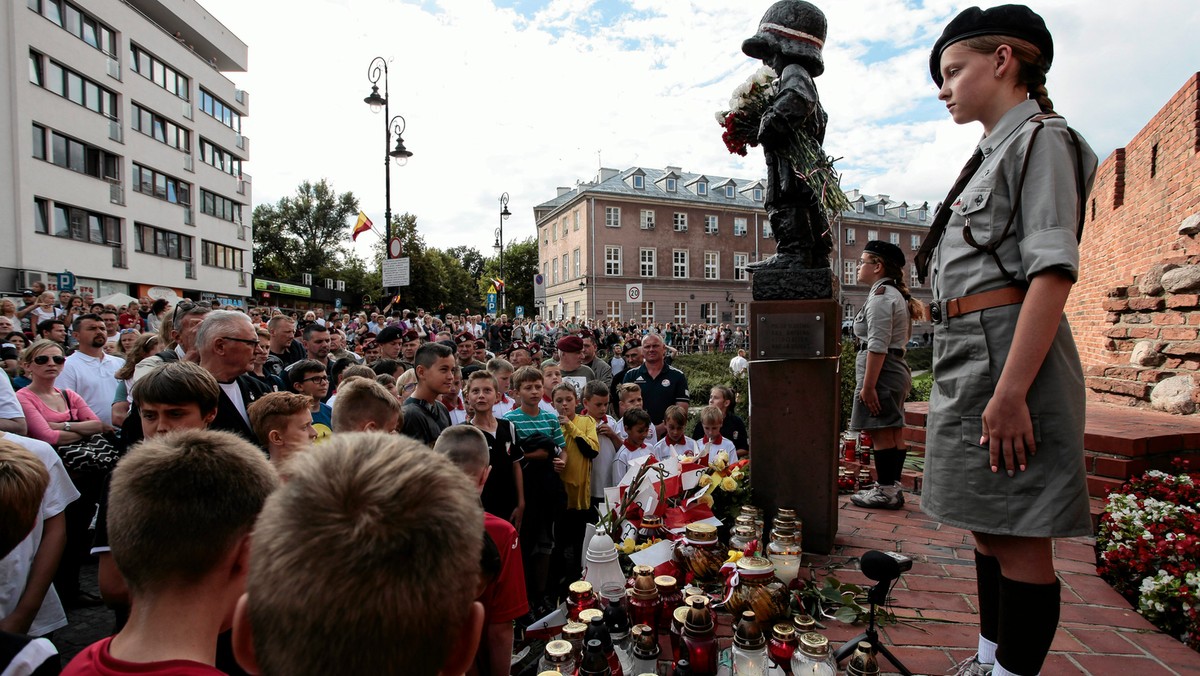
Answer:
x=876 y=595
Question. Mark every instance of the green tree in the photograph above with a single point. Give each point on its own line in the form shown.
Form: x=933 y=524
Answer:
x=520 y=265
x=304 y=233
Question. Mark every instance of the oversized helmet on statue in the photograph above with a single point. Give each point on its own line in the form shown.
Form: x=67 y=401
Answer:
x=794 y=28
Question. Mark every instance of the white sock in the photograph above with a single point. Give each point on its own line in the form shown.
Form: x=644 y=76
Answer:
x=1001 y=671
x=987 y=651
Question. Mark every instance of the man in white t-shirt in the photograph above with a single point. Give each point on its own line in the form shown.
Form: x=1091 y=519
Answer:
x=89 y=372
x=739 y=363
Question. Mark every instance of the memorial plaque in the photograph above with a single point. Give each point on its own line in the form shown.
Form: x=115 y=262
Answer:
x=791 y=336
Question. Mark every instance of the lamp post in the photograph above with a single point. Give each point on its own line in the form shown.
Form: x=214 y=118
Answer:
x=499 y=245
x=375 y=72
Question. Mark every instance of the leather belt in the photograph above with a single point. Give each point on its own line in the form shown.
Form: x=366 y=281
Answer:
x=894 y=351
x=942 y=310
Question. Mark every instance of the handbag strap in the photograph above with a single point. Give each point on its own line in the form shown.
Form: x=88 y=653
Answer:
x=67 y=400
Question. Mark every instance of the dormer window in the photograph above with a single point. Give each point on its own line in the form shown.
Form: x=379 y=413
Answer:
x=757 y=194
x=639 y=181
x=921 y=215
x=879 y=209
x=702 y=188
x=671 y=183
x=730 y=192
x=903 y=212
x=858 y=207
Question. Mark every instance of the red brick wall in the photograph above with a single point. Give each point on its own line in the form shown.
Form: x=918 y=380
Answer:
x=1133 y=218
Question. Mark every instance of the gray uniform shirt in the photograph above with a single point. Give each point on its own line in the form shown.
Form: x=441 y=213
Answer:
x=883 y=321
x=970 y=351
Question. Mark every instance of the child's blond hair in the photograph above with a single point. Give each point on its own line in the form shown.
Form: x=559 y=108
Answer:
x=365 y=562
x=180 y=501
x=711 y=415
x=362 y=401
x=23 y=482
x=675 y=414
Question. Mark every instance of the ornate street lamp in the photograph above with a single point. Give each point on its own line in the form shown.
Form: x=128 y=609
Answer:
x=499 y=246
x=376 y=71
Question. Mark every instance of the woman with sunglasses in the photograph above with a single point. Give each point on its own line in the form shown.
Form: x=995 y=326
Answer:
x=54 y=416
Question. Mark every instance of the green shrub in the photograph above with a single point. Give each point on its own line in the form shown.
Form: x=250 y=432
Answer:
x=919 y=358
x=922 y=385
x=703 y=371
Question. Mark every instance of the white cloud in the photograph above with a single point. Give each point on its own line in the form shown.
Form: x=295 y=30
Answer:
x=498 y=101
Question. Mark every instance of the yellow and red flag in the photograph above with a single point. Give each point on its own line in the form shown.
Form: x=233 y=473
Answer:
x=363 y=225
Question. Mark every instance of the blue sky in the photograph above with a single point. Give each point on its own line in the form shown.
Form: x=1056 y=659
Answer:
x=526 y=95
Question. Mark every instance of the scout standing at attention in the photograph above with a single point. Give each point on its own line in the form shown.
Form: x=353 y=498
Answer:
x=882 y=377
x=1006 y=416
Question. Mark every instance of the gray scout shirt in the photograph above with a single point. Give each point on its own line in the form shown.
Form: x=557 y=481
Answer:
x=883 y=321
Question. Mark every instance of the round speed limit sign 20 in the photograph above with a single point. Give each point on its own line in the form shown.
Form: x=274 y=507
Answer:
x=633 y=292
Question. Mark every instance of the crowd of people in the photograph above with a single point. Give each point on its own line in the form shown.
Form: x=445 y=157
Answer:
x=166 y=435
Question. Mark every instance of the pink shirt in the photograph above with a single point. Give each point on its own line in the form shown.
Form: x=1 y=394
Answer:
x=38 y=415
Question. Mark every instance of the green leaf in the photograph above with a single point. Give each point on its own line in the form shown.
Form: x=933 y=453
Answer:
x=846 y=614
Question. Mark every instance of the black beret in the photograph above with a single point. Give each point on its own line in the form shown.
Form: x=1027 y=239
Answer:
x=389 y=334
x=1017 y=21
x=889 y=252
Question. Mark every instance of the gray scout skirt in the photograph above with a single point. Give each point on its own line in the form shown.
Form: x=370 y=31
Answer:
x=895 y=380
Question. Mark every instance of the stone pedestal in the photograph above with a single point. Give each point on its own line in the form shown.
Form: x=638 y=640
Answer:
x=794 y=410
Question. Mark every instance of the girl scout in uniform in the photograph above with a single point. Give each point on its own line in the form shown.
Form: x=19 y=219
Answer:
x=881 y=375
x=1006 y=416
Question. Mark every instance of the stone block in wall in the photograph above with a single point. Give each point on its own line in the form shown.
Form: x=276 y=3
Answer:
x=1122 y=387
x=1190 y=225
x=1121 y=372
x=1182 y=280
x=1154 y=375
x=1150 y=284
x=1174 y=395
x=1182 y=349
x=1146 y=304
x=1146 y=353
x=1142 y=332
x=1168 y=318
x=1139 y=319
x=1178 y=333
x=1183 y=301
x=1112 y=317
x=1118 y=292
x=1115 y=305
x=1116 y=332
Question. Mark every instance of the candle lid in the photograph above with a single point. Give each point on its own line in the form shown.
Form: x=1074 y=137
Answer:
x=680 y=614
x=744 y=531
x=748 y=635
x=784 y=632
x=601 y=549
x=573 y=628
x=591 y=614
x=755 y=564
x=803 y=623
x=580 y=587
x=814 y=643
x=652 y=521
x=701 y=532
x=558 y=648
x=665 y=582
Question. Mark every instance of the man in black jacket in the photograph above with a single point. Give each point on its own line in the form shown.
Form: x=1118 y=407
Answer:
x=227 y=342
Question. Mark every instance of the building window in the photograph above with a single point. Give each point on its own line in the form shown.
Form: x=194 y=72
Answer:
x=680 y=221
x=612 y=217
x=903 y=212
x=757 y=192
x=153 y=69
x=546 y=237
x=872 y=235
x=160 y=129
x=78 y=156
x=545 y=272
x=708 y=313
x=849 y=272
x=739 y=313
x=78 y=23
x=220 y=207
x=564 y=225
x=730 y=192
x=913 y=280
x=702 y=189
x=739 y=266
x=739 y=227
x=639 y=181
x=848 y=311
x=880 y=209
x=859 y=206
x=680 y=312
x=710 y=225
x=54 y=77
x=712 y=264
x=575 y=311
x=157 y=184
x=671 y=183
x=921 y=215
x=220 y=111
x=647 y=311
x=77 y=224
x=566 y=270
x=612 y=309
x=220 y=158
x=612 y=261
x=575 y=262
x=221 y=256
x=914 y=242
x=647 y=219
x=159 y=242
x=679 y=263
x=850 y=235
x=575 y=219
x=648 y=259
x=894 y=238
x=554 y=272
x=767 y=232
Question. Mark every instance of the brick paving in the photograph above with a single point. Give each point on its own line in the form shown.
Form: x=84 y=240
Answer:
x=1099 y=632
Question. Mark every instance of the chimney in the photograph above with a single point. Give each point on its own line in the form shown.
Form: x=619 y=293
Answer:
x=563 y=191
x=605 y=174
x=885 y=198
x=677 y=170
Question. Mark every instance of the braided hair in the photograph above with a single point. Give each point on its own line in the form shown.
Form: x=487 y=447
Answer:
x=894 y=276
x=1033 y=64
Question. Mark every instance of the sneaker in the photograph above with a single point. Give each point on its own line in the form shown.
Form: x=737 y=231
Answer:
x=972 y=667
x=880 y=497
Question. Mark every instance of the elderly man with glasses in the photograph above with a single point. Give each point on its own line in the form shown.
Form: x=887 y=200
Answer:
x=227 y=342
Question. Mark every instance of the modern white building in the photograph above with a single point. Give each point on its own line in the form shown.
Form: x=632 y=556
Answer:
x=123 y=152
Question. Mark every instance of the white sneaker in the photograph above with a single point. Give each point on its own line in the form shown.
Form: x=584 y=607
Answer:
x=880 y=497
x=972 y=667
